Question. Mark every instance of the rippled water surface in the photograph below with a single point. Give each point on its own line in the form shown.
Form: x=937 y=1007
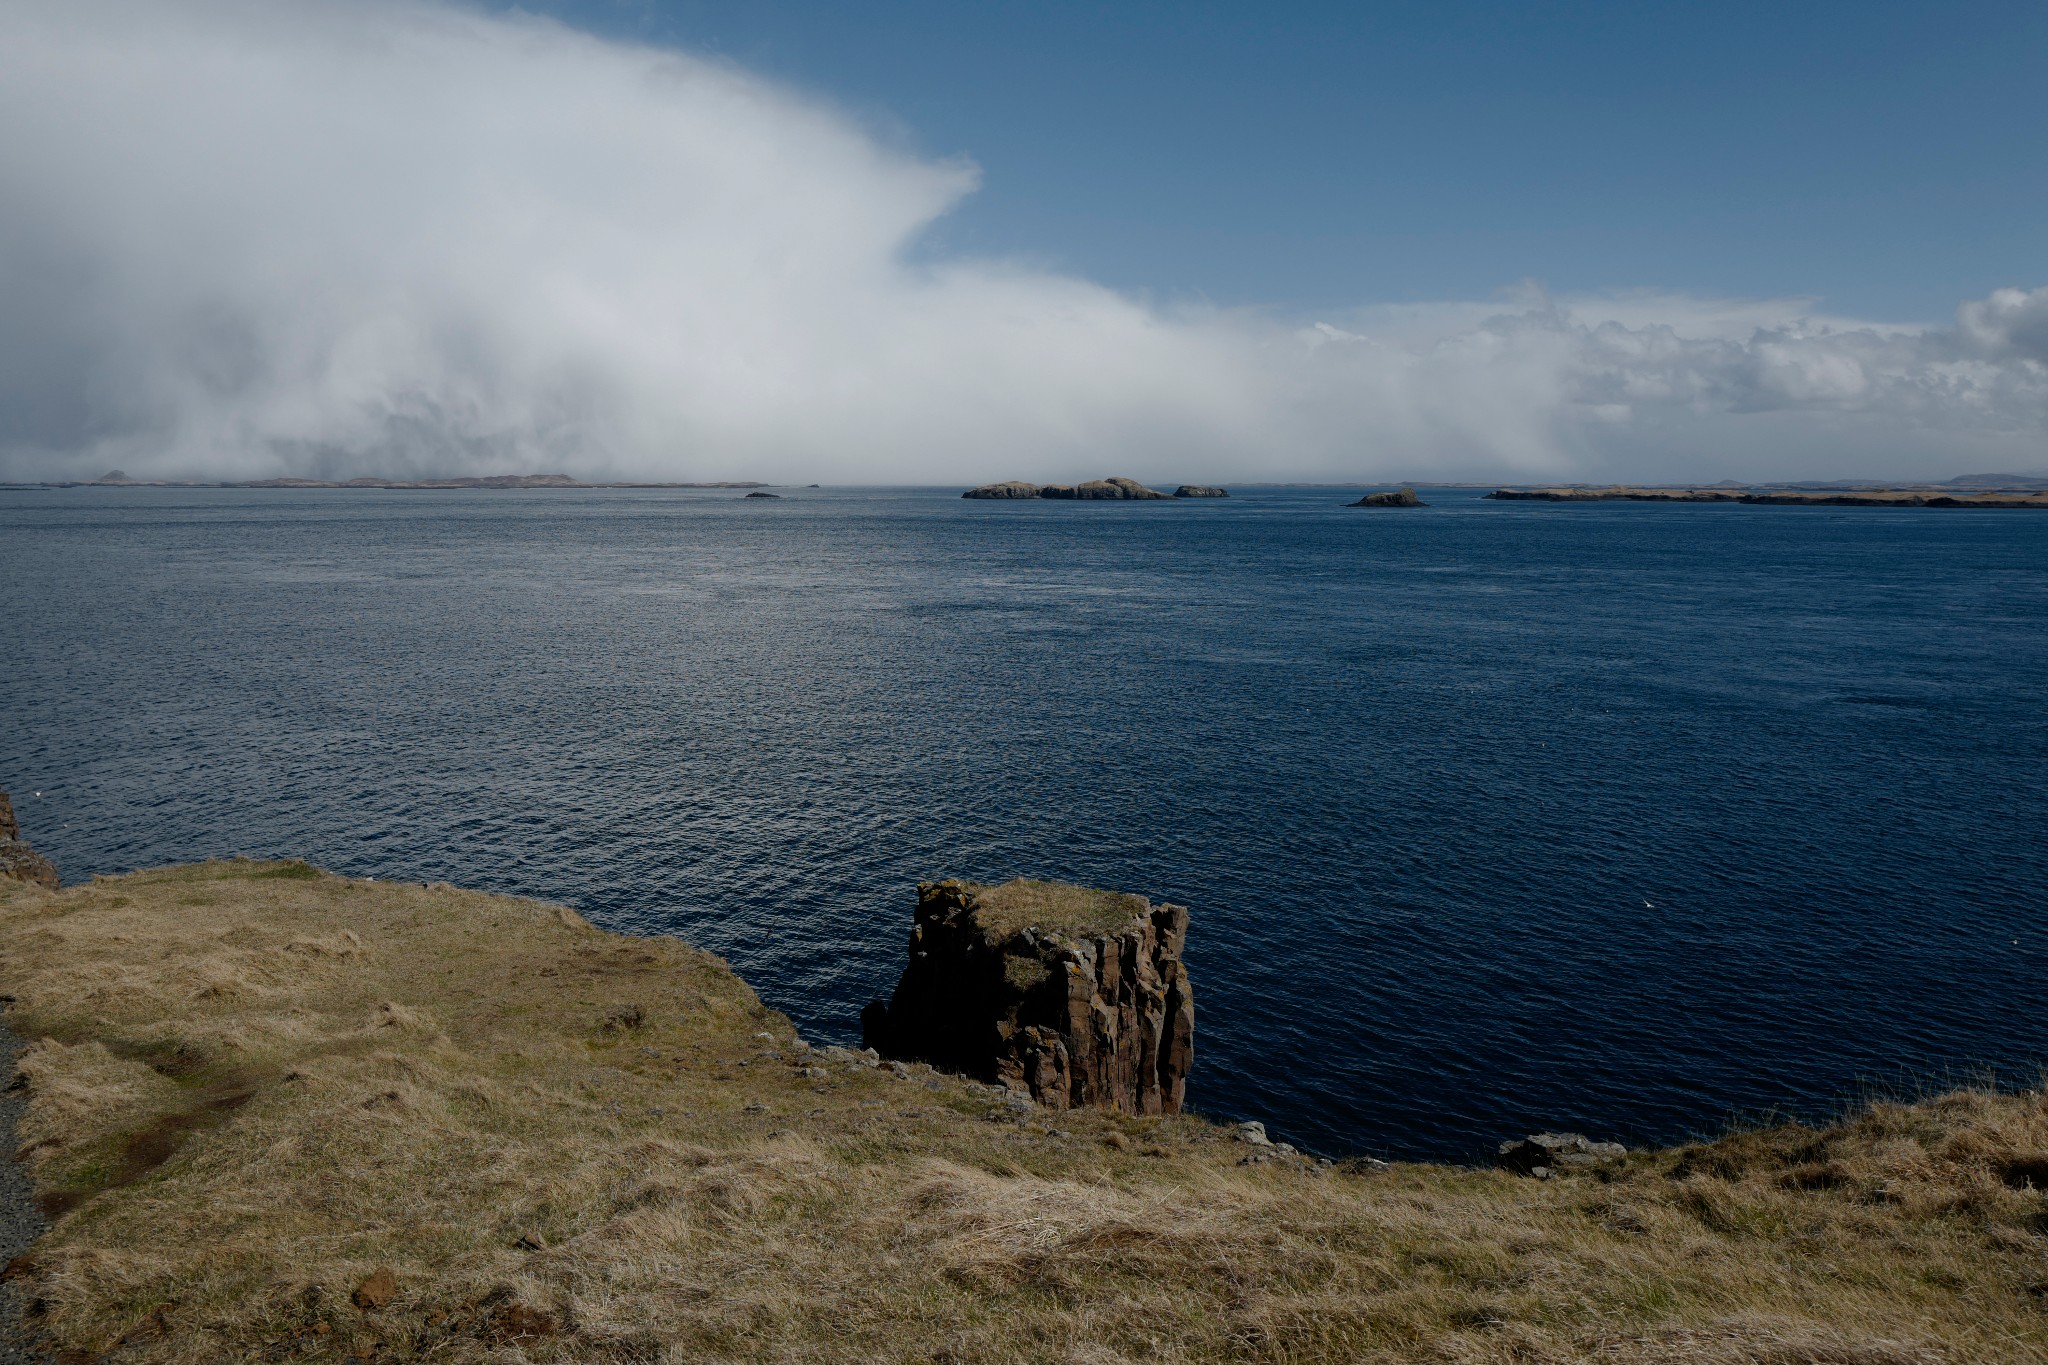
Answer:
x=1491 y=816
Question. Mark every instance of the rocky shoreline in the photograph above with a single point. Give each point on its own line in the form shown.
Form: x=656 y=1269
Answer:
x=280 y=1114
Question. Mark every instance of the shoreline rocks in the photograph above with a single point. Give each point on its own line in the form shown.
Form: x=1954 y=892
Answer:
x=17 y=860
x=1074 y=996
x=1542 y=1155
x=1200 y=490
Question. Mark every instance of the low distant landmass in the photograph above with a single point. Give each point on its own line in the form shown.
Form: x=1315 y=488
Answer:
x=114 y=478
x=1956 y=494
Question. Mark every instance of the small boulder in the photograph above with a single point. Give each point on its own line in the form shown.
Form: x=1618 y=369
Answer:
x=1200 y=490
x=1543 y=1155
x=1254 y=1133
x=1401 y=497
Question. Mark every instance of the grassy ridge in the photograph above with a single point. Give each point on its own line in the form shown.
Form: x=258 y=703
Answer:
x=256 y=1088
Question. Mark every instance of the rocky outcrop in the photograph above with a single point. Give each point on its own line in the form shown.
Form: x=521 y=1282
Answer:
x=1200 y=490
x=1403 y=497
x=1115 y=488
x=1014 y=488
x=1076 y=997
x=758 y=494
x=1094 y=490
x=1543 y=1155
x=18 y=861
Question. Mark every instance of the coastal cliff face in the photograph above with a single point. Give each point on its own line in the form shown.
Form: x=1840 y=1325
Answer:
x=1077 y=997
x=18 y=861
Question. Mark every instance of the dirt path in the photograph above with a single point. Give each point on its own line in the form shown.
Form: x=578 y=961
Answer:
x=20 y=1221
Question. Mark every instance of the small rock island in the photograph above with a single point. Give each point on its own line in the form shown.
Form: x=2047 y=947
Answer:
x=1400 y=497
x=1074 y=996
x=1095 y=490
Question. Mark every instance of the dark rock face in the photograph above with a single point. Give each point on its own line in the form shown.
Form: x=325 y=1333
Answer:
x=764 y=495
x=1200 y=490
x=1546 y=1154
x=1077 y=997
x=17 y=860
x=1015 y=488
x=1404 y=497
x=1115 y=487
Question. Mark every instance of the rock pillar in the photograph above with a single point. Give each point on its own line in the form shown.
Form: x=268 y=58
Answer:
x=1077 y=997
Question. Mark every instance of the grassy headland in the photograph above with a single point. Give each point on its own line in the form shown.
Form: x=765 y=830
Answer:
x=283 y=1115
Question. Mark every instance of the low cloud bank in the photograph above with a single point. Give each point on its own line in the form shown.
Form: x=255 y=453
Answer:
x=260 y=237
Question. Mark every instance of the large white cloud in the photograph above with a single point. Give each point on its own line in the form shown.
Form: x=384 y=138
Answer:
x=248 y=237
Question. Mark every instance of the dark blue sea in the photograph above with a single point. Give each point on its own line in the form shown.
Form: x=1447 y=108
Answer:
x=1492 y=816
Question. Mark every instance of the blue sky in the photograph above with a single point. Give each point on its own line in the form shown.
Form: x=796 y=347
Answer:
x=1890 y=158
x=904 y=242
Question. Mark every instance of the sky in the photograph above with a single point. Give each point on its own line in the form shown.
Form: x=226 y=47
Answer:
x=906 y=242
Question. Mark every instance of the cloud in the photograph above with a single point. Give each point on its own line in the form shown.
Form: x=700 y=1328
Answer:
x=252 y=237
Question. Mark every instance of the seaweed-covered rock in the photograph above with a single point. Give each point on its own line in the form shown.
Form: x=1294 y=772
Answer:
x=1075 y=996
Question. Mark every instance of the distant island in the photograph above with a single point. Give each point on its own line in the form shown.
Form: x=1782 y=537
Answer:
x=1403 y=496
x=1113 y=488
x=114 y=478
x=1804 y=497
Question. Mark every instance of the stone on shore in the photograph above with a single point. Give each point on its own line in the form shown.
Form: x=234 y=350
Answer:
x=1076 y=997
x=1200 y=490
x=1402 y=497
x=1543 y=1155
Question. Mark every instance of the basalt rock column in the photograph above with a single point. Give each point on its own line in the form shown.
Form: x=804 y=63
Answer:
x=1075 y=996
x=17 y=859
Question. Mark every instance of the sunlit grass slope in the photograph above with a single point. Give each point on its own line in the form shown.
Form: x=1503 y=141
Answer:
x=255 y=1088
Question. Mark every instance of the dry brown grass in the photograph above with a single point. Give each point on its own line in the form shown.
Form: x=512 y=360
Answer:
x=1080 y=911
x=253 y=1086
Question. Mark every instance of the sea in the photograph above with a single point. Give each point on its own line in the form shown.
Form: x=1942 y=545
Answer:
x=1493 y=817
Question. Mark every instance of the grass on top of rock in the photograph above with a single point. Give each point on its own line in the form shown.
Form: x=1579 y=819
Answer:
x=252 y=1092
x=1058 y=907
